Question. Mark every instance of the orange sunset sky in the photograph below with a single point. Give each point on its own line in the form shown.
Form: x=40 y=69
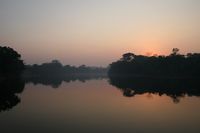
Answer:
x=98 y=32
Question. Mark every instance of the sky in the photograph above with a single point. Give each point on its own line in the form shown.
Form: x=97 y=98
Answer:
x=98 y=32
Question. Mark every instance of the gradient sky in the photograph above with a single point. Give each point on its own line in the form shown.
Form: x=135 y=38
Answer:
x=97 y=32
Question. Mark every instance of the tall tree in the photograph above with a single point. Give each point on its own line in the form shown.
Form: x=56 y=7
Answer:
x=10 y=61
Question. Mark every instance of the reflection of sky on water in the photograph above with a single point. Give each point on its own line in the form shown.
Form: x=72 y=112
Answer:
x=97 y=106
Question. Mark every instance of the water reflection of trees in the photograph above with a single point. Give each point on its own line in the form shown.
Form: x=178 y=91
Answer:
x=9 y=88
x=172 y=87
x=56 y=81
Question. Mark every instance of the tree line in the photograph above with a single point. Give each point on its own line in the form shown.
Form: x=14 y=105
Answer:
x=175 y=64
x=14 y=74
x=130 y=64
x=55 y=68
x=12 y=64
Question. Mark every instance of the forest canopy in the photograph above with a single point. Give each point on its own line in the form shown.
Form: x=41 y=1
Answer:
x=175 y=64
x=10 y=61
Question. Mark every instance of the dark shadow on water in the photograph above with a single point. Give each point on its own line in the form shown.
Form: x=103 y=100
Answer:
x=9 y=88
x=176 y=88
x=56 y=81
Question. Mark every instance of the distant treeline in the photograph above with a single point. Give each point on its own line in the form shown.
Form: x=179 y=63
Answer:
x=11 y=64
x=174 y=64
x=55 y=68
x=14 y=74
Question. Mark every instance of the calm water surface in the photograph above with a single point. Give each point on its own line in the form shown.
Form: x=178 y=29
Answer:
x=96 y=106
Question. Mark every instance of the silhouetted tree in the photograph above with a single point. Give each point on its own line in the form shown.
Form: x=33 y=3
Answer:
x=173 y=65
x=175 y=51
x=10 y=61
x=128 y=57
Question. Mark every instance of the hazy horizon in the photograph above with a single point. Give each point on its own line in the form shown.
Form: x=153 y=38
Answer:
x=97 y=33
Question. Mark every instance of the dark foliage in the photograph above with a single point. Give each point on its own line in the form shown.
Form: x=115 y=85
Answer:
x=10 y=62
x=56 y=69
x=175 y=65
